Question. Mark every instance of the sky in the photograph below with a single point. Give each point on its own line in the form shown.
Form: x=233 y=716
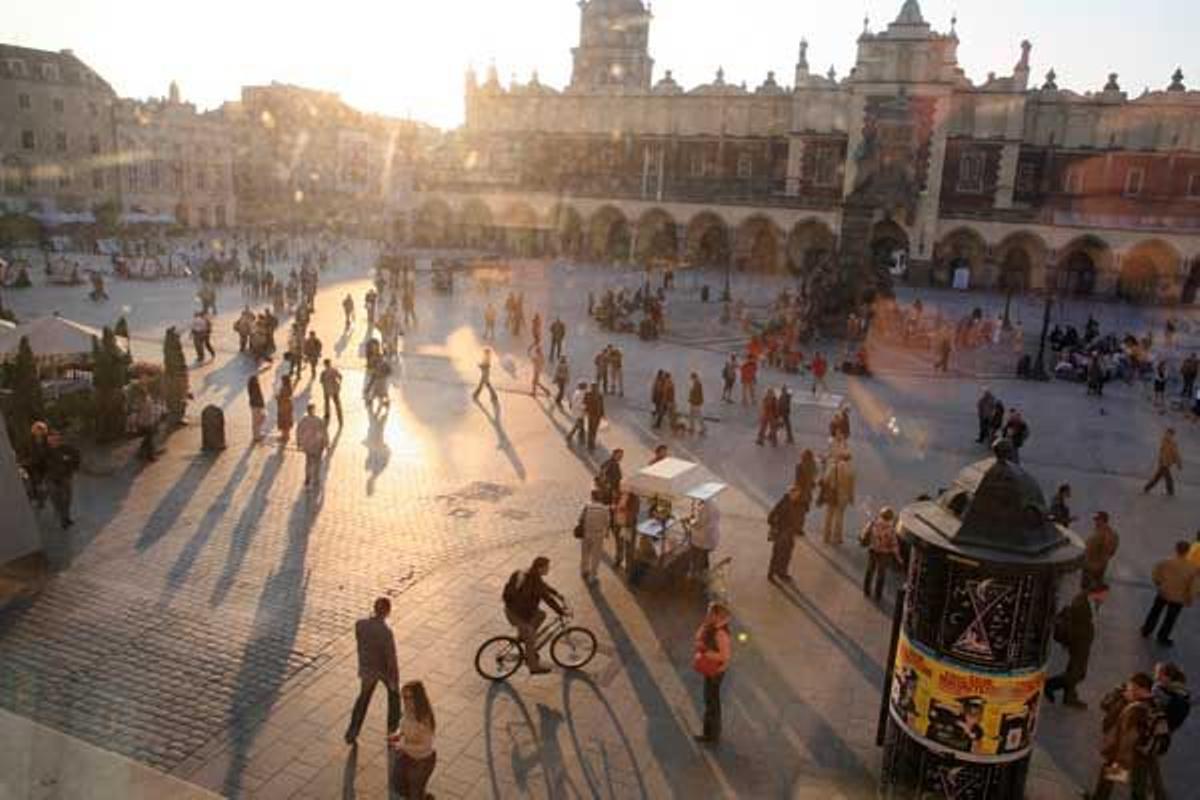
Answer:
x=407 y=58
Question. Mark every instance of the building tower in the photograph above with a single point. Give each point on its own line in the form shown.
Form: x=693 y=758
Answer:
x=613 y=51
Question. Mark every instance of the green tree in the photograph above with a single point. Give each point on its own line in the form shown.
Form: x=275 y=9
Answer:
x=25 y=405
x=175 y=377
x=109 y=376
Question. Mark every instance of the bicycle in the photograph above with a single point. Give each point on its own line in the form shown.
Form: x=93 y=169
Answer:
x=571 y=647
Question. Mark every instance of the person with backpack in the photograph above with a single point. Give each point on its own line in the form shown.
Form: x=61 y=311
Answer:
x=523 y=594
x=1173 y=702
x=1127 y=739
x=713 y=649
x=883 y=552
x=785 y=524
x=1075 y=629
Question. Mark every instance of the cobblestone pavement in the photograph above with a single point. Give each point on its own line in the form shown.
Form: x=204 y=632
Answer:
x=198 y=619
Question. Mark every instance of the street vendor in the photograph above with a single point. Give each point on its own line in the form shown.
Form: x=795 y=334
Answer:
x=706 y=535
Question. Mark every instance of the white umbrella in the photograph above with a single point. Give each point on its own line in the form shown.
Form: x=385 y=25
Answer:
x=50 y=338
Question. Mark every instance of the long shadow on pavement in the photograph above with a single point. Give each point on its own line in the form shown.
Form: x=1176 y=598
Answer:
x=600 y=785
x=163 y=518
x=246 y=527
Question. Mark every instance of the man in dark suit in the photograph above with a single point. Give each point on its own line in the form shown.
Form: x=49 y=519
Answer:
x=1079 y=631
x=593 y=407
x=376 y=662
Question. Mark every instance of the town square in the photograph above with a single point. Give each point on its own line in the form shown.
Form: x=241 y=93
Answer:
x=841 y=434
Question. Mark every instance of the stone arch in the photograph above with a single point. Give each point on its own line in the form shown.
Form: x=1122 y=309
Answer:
x=432 y=224
x=1150 y=273
x=1083 y=266
x=708 y=240
x=656 y=236
x=810 y=244
x=963 y=247
x=475 y=226
x=519 y=229
x=1191 y=284
x=758 y=245
x=567 y=225
x=609 y=234
x=1020 y=262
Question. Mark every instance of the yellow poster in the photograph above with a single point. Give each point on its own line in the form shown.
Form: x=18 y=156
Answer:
x=979 y=716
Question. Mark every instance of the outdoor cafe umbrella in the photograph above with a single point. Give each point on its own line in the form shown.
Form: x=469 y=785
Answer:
x=52 y=339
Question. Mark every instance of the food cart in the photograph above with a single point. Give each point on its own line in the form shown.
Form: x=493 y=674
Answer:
x=671 y=491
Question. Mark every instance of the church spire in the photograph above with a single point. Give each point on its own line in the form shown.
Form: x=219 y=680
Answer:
x=910 y=14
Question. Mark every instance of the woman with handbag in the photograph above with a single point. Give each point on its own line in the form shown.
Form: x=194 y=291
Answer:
x=711 y=659
x=414 y=757
x=883 y=551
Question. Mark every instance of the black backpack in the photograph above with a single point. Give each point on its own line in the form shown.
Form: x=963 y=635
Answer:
x=512 y=587
x=1154 y=739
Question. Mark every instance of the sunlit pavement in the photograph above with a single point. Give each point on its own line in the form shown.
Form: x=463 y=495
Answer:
x=200 y=621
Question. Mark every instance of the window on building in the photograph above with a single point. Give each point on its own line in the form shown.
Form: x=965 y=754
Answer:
x=23 y=102
x=221 y=216
x=970 y=172
x=1193 y=187
x=17 y=67
x=1027 y=178
x=60 y=141
x=155 y=175
x=58 y=105
x=64 y=179
x=28 y=140
x=131 y=177
x=745 y=165
x=97 y=179
x=1073 y=181
x=825 y=165
x=49 y=72
x=201 y=177
x=218 y=177
x=698 y=165
x=94 y=144
x=92 y=109
x=1134 y=178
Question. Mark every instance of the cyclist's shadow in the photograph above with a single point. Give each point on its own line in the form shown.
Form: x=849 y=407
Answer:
x=535 y=746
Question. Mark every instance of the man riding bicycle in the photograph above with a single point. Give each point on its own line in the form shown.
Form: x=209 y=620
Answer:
x=524 y=592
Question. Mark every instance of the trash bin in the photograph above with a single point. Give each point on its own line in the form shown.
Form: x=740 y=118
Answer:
x=212 y=428
x=704 y=293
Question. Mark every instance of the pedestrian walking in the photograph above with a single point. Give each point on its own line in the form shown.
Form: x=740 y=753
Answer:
x=61 y=460
x=1168 y=458
x=1124 y=729
x=1177 y=581
x=712 y=652
x=1173 y=702
x=489 y=323
x=562 y=376
x=943 y=360
x=1060 y=512
x=985 y=407
x=348 y=312
x=749 y=376
x=312 y=352
x=376 y=664
x=369 y=303
x=883 y=552
x=616 y=370
x=485 y=376
x=283 y=409
x=1187 y=373
x=608 y=478
x=558 y=332
x=537 y=361
x=331 y=388
x=414 y=757
x=594 y=522
x=839 y=425
x=1016 y=430
x=199 y=329
x=1098 y=550
x=666 y=402
x=806 y=473
x=819 y=368
x=593 y=407
x=783 y=412
x=837 y=492
x=729 y=374
x=785 y=524
x=601 y=362
x=766 y=418
x=258 y=409
x=312 y=437
x=408 y=302
x=625 y=531
x=578 y=413
x=696 y=406
x=1075 y=629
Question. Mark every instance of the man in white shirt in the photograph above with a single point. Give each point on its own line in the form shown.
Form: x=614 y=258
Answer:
x=578 y=412
x=595 y=519
x=706 y=536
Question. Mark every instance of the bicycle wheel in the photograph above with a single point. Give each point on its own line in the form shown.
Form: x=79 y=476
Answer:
x=573 y=648
x=498 y=657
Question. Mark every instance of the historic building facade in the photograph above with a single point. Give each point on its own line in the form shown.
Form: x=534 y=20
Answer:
x=176 y=164
x=57 y=145
x=1024 y=185
x=305 y=156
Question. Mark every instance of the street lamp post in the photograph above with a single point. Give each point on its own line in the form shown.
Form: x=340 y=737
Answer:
x=1039 y=365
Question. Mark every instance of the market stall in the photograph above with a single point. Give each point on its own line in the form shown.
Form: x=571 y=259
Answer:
x=671 y=492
